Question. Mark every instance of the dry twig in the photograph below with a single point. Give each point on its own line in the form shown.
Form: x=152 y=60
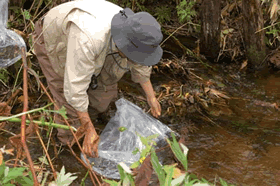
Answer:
x=23 y=124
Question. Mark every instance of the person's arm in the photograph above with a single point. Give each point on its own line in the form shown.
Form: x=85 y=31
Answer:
x=141 y=74
x=151 y=98
x=78 y=71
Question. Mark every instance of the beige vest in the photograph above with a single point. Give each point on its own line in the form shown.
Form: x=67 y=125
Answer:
x=57 y=21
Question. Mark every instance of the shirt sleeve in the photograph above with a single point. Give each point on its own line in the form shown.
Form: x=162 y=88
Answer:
x=139 y=73
x=79 y=69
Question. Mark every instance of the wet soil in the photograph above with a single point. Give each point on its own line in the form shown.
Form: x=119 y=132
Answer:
x=235 y=138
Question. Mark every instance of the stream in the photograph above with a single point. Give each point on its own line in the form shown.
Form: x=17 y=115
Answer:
x=241 y=144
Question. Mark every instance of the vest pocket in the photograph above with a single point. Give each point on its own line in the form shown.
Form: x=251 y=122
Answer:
x=61 y=50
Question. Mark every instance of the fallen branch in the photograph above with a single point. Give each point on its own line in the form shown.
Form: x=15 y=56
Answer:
x=23 y=118
x=49 y=124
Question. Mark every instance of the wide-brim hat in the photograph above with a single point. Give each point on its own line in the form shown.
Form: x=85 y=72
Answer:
x=138 y=36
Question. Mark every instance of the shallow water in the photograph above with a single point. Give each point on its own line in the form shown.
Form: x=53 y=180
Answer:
x=242 y=147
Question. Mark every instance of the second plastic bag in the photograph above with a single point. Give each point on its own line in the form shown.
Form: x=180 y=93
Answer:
x=10 y=42
x=117 y=145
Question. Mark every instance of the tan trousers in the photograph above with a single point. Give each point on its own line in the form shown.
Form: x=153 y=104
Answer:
x=99 y=99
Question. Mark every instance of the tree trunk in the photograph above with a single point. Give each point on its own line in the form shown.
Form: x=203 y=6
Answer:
x=252 y=23
x=210 y=28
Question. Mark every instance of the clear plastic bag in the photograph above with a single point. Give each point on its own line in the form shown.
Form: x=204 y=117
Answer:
x=116 y=146
x=10 y=42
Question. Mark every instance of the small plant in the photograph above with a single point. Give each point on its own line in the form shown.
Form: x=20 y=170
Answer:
x=64 y=179
x=4 y=75
x=16 y=175
x=163 y=13
x=185 y=11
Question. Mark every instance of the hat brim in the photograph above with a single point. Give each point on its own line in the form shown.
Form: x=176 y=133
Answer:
x=132 y=52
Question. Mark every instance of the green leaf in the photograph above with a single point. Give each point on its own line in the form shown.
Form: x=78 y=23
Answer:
x=136 y=150
x=126 y=181
x=131 y=180
x=26 y=15
x=191 y=183
x=192 y=176
x=24 y=181
x=201 y=184
x=43 y=160
x=2 y=171
x=135 y=165
x=227 y=31
x=146 y=151
x=13 y=173
x=6 y=171
x=167 y=168
x=121 y=171
x=63 y=112
x=178 y=152
x=112 y=182
x=223 y=183
x=125 y=168
x=65 y=179
x=157 y=167
x=144 y=141
x=121 y=129
x=8 y=184
x=169 y=176
x=154 y=136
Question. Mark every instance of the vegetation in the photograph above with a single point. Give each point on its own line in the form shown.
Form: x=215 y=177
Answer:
x=16 y=174
x=177 y=17
x=167 y=174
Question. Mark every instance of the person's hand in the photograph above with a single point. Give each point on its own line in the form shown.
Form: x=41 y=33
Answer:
x=155 y=106
x=91 y=140
x=90 y=144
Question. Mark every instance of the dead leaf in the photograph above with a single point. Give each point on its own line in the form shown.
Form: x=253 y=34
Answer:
x=167 y=88
x=191 y=99
x=5 y=109
x=224 y=11
x=21 y=99
x=22 y=34
x=244 y=64
x=144 y=172
x=9 y=151
x=16 y=140
x=177 y=173
x=3 y=151
x=216 y=93
x=275 y=59
x=179 y=103
x=266 y=104
x=274 y=9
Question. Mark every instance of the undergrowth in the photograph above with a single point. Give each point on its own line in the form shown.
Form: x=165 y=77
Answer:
x=168 y=175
